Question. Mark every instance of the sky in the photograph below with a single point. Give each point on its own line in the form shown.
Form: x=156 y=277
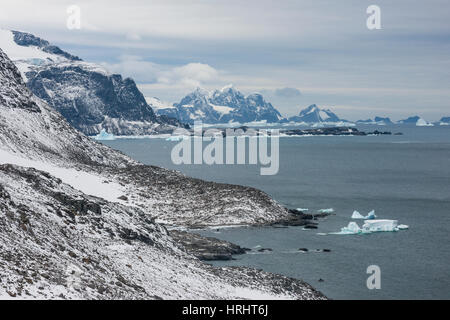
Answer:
x=294 y=52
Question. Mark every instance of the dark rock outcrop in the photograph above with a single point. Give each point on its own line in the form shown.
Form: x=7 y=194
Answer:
x=206 y=248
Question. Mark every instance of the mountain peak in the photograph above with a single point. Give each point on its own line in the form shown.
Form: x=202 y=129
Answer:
x=229 y=87
x=88 y=96
x=314 y=114
x=199 y=91
x=223 y=106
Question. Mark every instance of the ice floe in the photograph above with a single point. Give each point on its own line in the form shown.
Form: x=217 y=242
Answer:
x=330 y=210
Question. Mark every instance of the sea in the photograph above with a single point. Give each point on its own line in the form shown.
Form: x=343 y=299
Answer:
x=403 y=177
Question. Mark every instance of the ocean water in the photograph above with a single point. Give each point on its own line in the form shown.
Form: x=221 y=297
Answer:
x=403 y=177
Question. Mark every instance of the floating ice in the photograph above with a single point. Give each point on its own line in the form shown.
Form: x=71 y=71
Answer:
x=176 y=138
x=330 y=210
x=380 y=225
x=302 y=209
x=370 y=226
x=370 y=215
x=352 y=228
x=357 y=215
x=103 y=135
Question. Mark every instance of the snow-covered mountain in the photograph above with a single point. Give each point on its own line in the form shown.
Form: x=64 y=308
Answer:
x=415 y=120
x=314 y=114
x=410 y=120
x=34 y=134
x=376 y=121
x=221 y=106
x=79 y=219
x=445 y=121
x=86 y=94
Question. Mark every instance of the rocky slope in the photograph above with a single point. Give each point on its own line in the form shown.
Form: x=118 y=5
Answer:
x=222 y=106
x=33 y=134
x=60 y=237
x=87 y=95
x=58 y=243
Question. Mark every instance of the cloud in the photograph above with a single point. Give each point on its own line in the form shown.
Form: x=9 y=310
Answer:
x=321 y=47
x=287 y=92
x=190 y=75
x=136 y=68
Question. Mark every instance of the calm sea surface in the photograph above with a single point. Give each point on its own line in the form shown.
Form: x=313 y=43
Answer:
x=403 y=177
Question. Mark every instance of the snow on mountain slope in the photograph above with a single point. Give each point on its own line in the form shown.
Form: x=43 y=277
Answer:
x=30 y=128
x=32 y=131
x=376 y=121
x=410 y=120
x=58 y=243
x=86 y=94
x=222 y=106
x=314 y=114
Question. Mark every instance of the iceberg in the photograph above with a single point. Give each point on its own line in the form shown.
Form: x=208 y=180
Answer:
x=302 y=209
x=330 y=210
x=370 y=215
x=103 y=135
x=423 y=123
x=381 y=225
x=357 y=215
x=371 y=226
x=352 y=228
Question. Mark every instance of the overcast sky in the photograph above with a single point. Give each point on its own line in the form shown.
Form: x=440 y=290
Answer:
x=294 y=52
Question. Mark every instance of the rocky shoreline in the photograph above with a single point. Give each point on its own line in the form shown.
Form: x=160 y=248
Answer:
x=206 y=248
x=325 y=131
x=212 y=249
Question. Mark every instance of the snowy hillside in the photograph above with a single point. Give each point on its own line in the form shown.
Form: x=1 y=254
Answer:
x=34 y=134
x=87 y=95
x=65 y=233
x=222 y=106
x=58 y=243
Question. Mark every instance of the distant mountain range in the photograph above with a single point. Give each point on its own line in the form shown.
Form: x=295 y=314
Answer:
x=313 y=114
x=229 y=105
x=92 y=99
x=376 y=120
x=87 y=95
x=219 y=106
